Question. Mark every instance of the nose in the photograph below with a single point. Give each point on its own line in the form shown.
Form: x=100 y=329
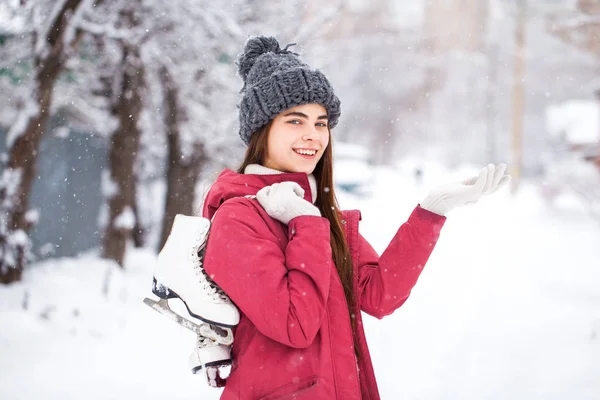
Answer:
x=311 y=134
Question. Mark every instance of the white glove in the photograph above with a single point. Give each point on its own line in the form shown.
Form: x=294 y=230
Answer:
x=285 y=201
x=445 y=198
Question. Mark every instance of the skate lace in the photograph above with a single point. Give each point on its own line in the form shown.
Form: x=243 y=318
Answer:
x=208 y=285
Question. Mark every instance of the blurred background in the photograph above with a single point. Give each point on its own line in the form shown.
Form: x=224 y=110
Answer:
x=116 y=115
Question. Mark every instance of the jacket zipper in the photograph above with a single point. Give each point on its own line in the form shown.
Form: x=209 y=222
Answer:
x=352 y=244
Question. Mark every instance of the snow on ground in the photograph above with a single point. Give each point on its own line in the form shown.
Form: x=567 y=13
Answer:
x=507 y=308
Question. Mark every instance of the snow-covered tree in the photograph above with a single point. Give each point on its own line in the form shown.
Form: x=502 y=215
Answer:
x=186 y=51
x=579 y=26
x=189 y=63
x=126 y=28
x=52 y=29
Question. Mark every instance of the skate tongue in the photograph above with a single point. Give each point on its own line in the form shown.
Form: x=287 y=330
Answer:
x=211 y=288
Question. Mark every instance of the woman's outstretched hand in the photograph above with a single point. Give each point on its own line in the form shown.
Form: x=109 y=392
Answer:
x=447 y=197
x=285 y=201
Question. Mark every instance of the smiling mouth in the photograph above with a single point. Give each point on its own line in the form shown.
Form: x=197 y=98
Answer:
x=303 y=152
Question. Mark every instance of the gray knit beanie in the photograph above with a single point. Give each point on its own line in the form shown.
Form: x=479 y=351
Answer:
x=275 y=80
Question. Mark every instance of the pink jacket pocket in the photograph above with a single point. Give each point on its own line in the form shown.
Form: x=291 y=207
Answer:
x=292 y=390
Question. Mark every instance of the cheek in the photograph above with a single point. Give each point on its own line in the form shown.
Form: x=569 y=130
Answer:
x=277 y=145
x=325 y=141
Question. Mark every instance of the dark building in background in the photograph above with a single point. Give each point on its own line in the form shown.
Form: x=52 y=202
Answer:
x=66 y=192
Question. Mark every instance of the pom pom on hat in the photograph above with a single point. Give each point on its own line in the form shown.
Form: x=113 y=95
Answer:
x=255 y=47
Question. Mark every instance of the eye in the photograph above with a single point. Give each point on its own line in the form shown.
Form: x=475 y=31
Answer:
x=322 y=124
x=294 y=122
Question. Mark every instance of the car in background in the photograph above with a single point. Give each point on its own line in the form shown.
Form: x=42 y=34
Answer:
x=352 y=172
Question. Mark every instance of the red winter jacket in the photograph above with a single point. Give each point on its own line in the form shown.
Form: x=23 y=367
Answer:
x=294 y=339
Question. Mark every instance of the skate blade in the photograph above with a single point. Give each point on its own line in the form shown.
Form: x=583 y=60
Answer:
x=216 y=333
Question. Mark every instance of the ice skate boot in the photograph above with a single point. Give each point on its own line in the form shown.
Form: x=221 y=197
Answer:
x=213 y=358
x=179 y=276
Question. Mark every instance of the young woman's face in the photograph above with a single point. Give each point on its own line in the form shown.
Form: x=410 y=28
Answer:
x=297 y=139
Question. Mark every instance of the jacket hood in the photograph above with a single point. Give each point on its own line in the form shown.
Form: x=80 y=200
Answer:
x=230 y=184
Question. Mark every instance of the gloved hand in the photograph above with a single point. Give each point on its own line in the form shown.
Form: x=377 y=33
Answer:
x=285 y=201
x=445 y=198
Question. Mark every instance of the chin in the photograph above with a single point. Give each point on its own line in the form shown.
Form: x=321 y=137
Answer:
x=306 y=170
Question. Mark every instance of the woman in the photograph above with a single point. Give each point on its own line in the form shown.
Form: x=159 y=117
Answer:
x=294 y=264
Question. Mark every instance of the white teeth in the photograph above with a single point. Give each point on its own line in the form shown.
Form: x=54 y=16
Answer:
x=306 y=152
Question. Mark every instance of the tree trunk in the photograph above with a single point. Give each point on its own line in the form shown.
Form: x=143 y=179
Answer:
x=24 y=150
x=123 y=152
x=518 y=99
x=139 y=232
x=182 y=172
x=597 y=159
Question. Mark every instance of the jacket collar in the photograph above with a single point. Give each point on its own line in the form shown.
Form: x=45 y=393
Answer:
x=257 y=169
x=230 y=184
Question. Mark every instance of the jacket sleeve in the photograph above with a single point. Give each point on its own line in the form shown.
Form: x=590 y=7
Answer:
x=385 y=282
x=283 y=292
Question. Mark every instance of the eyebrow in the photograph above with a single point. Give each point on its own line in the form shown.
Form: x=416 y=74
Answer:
x=302 y=115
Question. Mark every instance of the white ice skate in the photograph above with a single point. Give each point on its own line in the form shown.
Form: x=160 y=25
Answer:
x=213 y=358
x=179 y=275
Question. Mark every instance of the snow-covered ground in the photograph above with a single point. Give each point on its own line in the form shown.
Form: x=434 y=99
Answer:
x=507 y=308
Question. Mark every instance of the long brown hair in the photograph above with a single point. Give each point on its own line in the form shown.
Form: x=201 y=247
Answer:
x=327 y=204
